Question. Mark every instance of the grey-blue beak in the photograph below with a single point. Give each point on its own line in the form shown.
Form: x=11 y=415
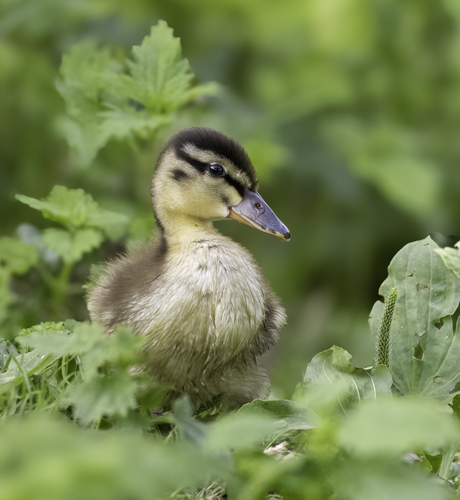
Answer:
x=254 y=212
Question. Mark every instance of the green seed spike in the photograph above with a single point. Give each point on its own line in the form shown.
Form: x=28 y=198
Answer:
x=383 y=339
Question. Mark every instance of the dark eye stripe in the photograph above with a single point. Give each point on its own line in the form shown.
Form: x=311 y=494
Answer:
x=199 y=165
x=237 y=185
x=203 y=167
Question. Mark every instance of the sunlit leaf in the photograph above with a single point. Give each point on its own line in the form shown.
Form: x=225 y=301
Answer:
x=76 y=209
x=58 y=341
x=160 y=78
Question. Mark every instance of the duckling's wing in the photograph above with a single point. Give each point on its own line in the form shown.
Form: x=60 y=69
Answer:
x=123 y=281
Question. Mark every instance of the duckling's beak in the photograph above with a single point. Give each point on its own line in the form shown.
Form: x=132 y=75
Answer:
x=254 y=212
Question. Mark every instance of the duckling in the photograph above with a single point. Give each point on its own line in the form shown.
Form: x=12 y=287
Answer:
x=200 y=298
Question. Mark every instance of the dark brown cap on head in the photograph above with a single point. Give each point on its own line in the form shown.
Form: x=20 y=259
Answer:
x=217 y=142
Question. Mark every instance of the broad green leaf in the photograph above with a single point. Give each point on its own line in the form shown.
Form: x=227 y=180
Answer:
x=289 y=414
x=57 y=460
x=76 y=209
x=104 y=395
x=191 y=429
x=451 y=258
x=378 y=479
x=71 y=246
x=424 y=351
x=392 y=426
x=333 y=366
x=242 y=432
x=16 y=256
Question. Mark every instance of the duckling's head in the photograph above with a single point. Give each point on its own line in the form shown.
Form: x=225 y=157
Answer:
x=203 y=175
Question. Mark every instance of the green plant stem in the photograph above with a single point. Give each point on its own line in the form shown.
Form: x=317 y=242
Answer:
x=447 y=459
x=61 y=284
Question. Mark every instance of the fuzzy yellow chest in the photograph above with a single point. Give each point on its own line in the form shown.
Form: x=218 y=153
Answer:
x=207 y=304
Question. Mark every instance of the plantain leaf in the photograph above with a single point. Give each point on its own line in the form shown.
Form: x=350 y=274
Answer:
x=424 y=350
x=451 y=258
x=333 y=366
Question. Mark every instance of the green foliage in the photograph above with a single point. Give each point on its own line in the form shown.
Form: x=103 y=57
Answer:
x=15 y=256
x=76 y=209
x=103 y=102
x=344 y=433
x=333 y=367
x=364 y=97
x=424 y=347
x=404 y=425
x=451 y=258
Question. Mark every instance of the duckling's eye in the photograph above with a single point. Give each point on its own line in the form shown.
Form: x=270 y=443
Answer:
x=216 y=170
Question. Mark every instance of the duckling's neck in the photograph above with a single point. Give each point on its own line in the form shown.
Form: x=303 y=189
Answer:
x=183 y=229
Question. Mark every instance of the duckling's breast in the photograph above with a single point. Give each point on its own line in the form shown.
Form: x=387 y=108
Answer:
x=204 y=309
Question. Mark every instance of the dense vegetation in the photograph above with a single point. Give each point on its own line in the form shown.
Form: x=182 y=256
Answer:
x=358 y=102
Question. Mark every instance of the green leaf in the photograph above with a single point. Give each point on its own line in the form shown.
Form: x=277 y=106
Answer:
x=57 y=341
x=451 y=258
x=57 y=459
x=121 y=348
x=104 y=396
x=289 y=414
x=393 y=426
x=242 y=432
x=43 y=328
x=71 y=246
x=24 y=366
x=16 y=256
x=191 y=429
x=424 y=350
x=377 y=479
x=76 y=209
x=333 y=366
x=160 y=78
x=103 y=103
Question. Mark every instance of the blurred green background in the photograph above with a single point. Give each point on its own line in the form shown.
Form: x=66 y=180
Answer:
x=350 y=110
